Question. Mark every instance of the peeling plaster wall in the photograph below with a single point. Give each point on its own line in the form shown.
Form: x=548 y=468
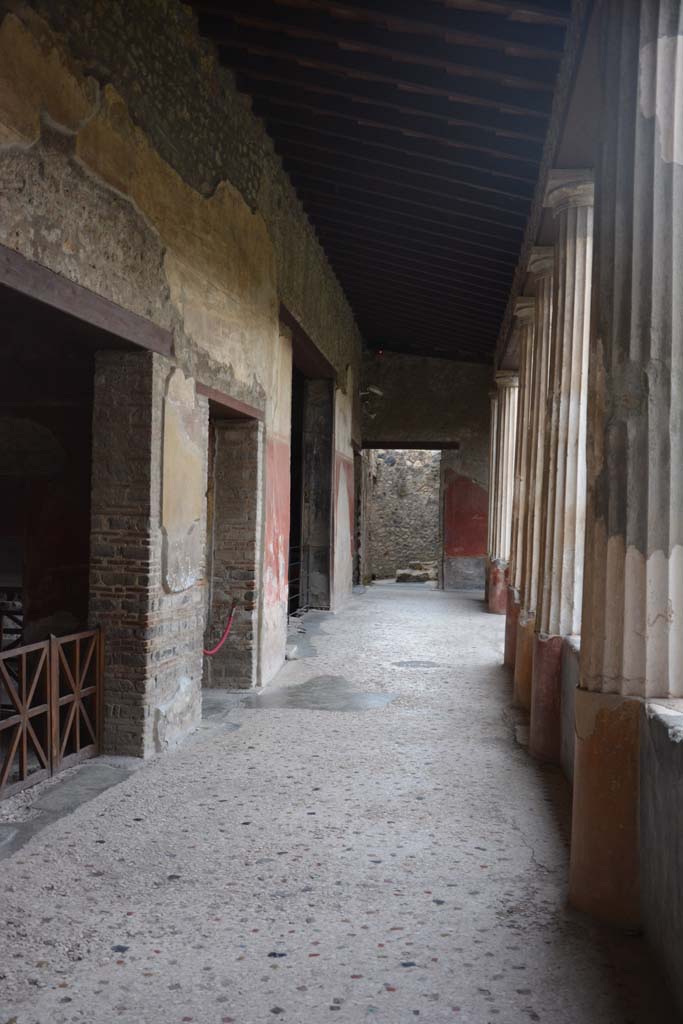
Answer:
x=425 y=402
x=464 y=511
x=130 y=165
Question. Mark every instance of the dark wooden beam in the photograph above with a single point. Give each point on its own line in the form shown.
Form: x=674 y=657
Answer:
x=416 y=172
x=405 y=242
x=340 y=197
x=332 y=59
x=489 y=167
x=45 y=286
x=251 y=68
x=224 y=406
x=306 y=355
x=355 y=266
x=454 y=133
x=522 y=74
x=541 y=39
x=393 y=187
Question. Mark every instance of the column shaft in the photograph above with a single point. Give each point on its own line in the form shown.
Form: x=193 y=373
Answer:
x=563 y=500
x=632 y=642
x=493 y=437
x=507 y=383
x=541 y=266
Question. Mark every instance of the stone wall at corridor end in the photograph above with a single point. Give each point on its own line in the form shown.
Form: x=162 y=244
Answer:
x=404 y=510
x=423 y=402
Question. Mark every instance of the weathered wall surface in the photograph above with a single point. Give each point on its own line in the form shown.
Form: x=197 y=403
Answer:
x=426 y=403
x=438 y=403
x=404 y=510
x=464 y=509
x=153 y=634
x=130 y=165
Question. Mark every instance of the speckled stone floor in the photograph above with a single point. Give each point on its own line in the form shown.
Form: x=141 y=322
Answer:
x=384 y=862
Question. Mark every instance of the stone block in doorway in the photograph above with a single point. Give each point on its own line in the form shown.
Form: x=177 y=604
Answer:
x=412 y=576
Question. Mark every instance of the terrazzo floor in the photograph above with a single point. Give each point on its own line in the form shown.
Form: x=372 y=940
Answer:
x=323 y=855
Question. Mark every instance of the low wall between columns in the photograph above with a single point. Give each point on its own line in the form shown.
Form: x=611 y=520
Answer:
x=661 y=834
x=571 y=649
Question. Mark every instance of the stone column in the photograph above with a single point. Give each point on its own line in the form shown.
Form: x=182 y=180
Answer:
x=493 y=396
x=541 y=268
x=632 y=638
x=502 y=484
x=525 y=313
x=563 y=504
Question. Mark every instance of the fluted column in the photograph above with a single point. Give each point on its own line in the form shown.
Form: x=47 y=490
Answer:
x=541 y=268
x=525 y=314
x=563 y=502
x=493 y=437
x=632 y=632
x=507 y=384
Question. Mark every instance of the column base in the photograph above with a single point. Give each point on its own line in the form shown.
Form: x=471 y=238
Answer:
x=521 y=695
x=604 y=861
x=545 y=731
x=496 y=591
x=511 y=627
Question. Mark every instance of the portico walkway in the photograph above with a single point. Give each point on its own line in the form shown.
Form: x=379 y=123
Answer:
x=387 y=863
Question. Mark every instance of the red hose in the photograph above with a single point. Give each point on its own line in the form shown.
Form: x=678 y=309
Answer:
x=226 y=634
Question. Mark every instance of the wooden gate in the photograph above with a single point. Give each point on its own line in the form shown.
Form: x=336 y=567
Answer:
x=50 y=707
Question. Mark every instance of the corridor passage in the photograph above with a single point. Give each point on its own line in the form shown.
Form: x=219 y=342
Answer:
x=401 y=860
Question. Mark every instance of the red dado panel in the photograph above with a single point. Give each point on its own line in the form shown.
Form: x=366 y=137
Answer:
x=277 y=521
x=465 y=516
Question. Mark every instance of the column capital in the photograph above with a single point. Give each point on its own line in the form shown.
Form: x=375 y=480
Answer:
x=541 y=260
x=507 y=379
x=525 y=309
x=567 y=189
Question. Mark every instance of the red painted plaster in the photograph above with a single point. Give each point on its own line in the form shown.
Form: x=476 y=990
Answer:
x=465 y=517
x=276 y=520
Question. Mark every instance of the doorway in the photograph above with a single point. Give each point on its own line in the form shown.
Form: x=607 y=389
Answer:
x=311 y=492
x=50 y=661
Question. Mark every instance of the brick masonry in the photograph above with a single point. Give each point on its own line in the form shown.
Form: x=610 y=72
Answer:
x=153 y=639
x=236 y=541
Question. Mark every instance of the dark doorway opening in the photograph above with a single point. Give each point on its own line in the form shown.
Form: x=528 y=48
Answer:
x=234 y=543
x=50 y=660
x=311 y=492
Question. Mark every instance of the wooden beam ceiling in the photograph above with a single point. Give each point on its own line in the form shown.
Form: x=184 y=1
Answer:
x=412 y=131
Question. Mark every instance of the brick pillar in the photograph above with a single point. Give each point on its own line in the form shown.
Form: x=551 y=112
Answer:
x=235 y=552
x=152 y=635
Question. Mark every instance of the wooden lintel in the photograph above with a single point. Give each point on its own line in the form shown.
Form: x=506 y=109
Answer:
x=226 y=407
x=38 y=282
